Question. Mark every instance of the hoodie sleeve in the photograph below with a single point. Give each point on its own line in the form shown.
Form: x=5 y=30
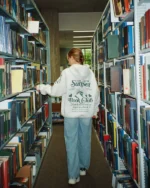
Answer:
x=58 y=89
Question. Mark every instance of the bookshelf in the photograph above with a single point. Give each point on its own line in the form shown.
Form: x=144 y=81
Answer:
x=25 y=116
x=122 y=71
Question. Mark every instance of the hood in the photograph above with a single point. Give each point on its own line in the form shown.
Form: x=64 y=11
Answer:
x=80 y=71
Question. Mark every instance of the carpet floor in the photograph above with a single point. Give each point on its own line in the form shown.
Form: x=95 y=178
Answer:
x=53 y=171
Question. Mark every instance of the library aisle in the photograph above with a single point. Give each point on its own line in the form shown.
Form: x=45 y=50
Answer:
x=53 y=172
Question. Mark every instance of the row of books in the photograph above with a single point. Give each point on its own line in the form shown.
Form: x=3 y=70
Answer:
x=102 y=96
x=18 y=10
x=112 y=127
x=128 y=127
x=16 y=78
x=121 y=77
x=126 y=112
x=126 y=38
x=106 y=22
x=111 y=154
x=20 y=159
x=40 y=35
x=117 y=44
x=128 y=152
x=109 y=151
x=127 y=115
x=110 y=101
x=16 y=111
x=145 y=30
x=126 y=108
x=145 y=129
x=122 y=7
x=127 y=149
x=19 y=45
x=145 y=77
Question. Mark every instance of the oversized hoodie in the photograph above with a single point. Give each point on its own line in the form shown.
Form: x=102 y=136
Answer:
x=78 y=87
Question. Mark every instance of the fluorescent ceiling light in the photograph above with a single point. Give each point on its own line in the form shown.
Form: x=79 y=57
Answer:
x=81 y=41
x=75 y=37
x=81 y=45
x=87 y=31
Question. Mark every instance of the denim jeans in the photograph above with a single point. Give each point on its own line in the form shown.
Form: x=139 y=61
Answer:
x=77 y=133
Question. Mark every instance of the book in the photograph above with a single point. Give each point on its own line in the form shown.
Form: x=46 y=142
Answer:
x=126 y=81
x=116 y=78
x=112 y=42
x=134 y=145
x=26 y=171
x=17 y=78
x=117 y=4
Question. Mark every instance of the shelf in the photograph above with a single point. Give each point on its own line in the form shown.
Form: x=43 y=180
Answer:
x=31 y=6
x=34 y=179
x=121 y=160
x=128 y=18
x=109 y=60
x=133 y=18
x=100 y=66
x=37 y=133
x=126 y=56
x=17 y=26
x=146 y=101
x=6 y=55
x=114 y=116
x=127 y=133
x=19 y=129
x=11 y=57
x=8 y=140
x=13 y=95
x=130 y=95
x=23 y=59
x=103 y=150
x=142 y=2
x=144 y=51
x=100 y=84
x=40 y=40
x=130 y=173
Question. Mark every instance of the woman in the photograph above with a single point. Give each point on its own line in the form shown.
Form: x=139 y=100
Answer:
x=80 y=99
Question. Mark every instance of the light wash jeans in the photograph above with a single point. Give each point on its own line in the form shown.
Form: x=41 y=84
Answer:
x=77 y=133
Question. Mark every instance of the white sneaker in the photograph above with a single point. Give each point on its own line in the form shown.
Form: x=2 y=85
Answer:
x=73 y=181
x=82 y=171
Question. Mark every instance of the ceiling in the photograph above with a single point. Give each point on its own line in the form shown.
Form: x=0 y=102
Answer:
x=67 y=40
x=72 y=7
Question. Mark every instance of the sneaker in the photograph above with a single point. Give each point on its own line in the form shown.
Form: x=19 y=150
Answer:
x=82 y=171
x=73 y=181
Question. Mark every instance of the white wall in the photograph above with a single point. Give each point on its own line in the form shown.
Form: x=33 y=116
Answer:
x=78 y=21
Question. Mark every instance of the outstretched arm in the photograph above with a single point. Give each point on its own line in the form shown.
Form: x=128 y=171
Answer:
x=58 y=89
